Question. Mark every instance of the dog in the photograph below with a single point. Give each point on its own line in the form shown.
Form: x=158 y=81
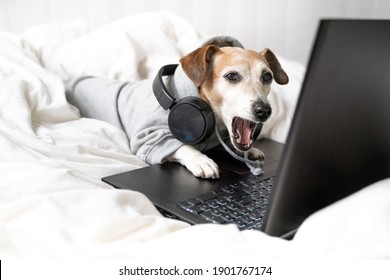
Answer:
x=236 y=83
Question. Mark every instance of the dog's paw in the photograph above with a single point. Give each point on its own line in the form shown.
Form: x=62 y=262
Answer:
x=204 y=167
x=256 y=154
x=197 y=163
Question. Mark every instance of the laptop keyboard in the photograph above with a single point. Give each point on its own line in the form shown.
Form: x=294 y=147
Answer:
x=243 y=203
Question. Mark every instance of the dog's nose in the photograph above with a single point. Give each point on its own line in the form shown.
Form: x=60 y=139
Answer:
x=262 y=111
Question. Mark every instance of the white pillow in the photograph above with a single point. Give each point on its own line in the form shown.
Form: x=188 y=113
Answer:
x=129 y=49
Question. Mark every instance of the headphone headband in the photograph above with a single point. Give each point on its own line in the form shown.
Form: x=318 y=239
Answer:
x=162 y=94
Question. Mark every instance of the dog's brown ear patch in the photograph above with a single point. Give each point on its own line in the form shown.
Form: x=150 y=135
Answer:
x=195 y=64
x=279 y=75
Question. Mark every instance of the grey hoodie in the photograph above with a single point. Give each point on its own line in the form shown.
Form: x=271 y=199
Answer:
x=133 y=107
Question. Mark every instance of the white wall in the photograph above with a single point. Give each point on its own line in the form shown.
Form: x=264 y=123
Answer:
x=286 y=26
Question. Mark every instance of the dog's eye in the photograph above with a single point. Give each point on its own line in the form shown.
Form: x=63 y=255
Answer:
x=233 y=77
x=267 y=77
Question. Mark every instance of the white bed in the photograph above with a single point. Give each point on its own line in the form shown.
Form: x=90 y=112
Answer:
x=52 y=202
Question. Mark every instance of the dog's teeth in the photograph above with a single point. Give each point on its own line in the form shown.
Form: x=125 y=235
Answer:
x=236 y=134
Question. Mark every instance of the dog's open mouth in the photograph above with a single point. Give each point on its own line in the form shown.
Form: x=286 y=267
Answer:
x=243 y=133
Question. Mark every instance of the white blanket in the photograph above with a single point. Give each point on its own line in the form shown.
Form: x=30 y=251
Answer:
x=52 y=202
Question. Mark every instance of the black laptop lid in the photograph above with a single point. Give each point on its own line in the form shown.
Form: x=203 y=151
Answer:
x=340 y=138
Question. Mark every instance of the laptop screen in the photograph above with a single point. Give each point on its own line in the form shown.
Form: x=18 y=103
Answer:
x=339 y=141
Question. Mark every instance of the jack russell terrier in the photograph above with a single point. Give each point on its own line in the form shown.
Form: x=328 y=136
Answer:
x=233 y=81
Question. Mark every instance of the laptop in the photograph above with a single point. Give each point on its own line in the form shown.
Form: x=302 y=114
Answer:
x=338 y=143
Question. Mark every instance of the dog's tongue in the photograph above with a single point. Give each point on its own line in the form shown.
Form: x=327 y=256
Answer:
x=244 y=131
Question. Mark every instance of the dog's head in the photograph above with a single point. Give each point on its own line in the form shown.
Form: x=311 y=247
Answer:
x=236 y=83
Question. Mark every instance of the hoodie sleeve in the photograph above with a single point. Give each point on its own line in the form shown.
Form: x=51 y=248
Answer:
x=145 y=123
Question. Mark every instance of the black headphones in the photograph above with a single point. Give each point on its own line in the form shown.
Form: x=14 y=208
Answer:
x=191 y=120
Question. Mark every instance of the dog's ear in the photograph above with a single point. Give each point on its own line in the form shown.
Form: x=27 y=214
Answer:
x=279 y=75
x=196 y=63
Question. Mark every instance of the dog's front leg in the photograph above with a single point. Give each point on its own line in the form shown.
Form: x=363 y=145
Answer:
x=256 y=154
x=199 y=164
x=253 y=154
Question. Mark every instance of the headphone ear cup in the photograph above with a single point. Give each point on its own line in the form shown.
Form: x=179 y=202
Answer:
x=191 y=120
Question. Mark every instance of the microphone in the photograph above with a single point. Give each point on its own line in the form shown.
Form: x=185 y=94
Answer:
x=253 y=165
